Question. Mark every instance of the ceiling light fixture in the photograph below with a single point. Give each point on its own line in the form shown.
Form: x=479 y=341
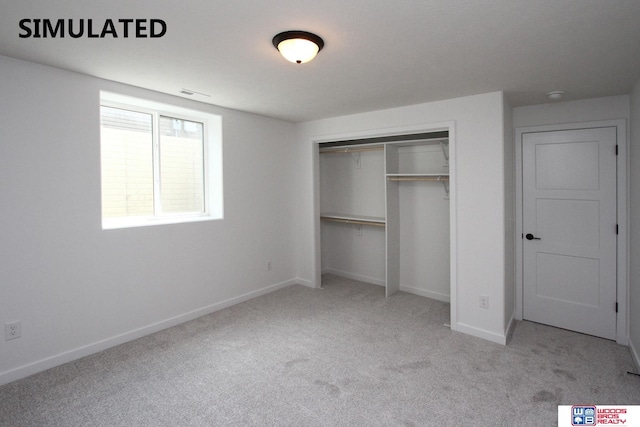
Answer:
x=555 y=95
x=298 y=46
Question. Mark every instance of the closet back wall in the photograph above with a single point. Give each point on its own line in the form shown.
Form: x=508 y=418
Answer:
x=346 y=188
x=424 y=226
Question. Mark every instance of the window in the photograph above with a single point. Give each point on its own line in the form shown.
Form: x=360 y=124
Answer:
x=160 y=164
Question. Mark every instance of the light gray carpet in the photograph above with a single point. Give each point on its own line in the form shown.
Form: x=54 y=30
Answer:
x=340 y=356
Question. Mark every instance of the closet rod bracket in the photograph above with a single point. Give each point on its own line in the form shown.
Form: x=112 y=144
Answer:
x=445 y=185
x=444 y=145
x=356 y=158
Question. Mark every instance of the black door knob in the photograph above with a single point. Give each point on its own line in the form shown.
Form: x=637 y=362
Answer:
x=530 y=236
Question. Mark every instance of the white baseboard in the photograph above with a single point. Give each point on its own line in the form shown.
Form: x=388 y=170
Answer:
x=69 y=356
x=304 y=282
x=480 y=333
x=634 y=355
x=511 y=326
x=425 y=293
x=379 y=282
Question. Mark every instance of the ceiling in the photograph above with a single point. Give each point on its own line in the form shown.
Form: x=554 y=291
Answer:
x=378 y=54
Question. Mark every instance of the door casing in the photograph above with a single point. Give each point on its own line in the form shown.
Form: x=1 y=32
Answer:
x=622 y=217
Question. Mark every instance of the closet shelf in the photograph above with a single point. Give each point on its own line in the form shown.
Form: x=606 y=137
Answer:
x=443 y=178
x=351 y=149
x=418 y=176
x=353 y=219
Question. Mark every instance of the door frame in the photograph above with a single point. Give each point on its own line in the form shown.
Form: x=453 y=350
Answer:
x=622 y=197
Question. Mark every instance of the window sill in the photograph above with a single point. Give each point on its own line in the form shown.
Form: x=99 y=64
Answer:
x=147 y=222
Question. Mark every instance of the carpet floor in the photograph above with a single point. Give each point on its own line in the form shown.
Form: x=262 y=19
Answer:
x=340 y=356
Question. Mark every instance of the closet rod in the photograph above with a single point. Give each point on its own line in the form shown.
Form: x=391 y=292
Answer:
x=352 y=221
x=418 y=178
x=350 y=149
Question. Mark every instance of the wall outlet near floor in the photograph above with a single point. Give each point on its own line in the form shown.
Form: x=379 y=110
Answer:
x=12 y=330
x=484 y=302
x=269 y=265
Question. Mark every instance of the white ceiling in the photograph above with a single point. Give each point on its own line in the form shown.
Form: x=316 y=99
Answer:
x=378 y=54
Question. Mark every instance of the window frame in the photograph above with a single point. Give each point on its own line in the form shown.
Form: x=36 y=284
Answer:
x=212 y=162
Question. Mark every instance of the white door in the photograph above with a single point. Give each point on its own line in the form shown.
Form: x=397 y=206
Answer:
x=569 y=229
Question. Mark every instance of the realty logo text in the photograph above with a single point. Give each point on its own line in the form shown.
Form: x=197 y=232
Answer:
x=589 y=415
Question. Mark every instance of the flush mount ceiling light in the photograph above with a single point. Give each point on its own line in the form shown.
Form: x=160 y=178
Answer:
x=555 y=95
x=298 y=46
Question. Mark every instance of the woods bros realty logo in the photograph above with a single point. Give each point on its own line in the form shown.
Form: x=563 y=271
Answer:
x=88 y=28
x=592 y=415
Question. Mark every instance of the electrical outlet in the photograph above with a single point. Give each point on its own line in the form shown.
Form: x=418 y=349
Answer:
x=484 y=302
x=12 y=330
x=269 y=265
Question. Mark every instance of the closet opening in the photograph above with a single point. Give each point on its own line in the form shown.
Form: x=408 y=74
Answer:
x=384 y=212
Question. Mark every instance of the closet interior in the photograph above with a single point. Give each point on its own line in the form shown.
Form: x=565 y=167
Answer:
x=384 y=212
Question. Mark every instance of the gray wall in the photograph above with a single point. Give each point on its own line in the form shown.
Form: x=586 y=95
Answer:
x=634 y=274
x=77 y=288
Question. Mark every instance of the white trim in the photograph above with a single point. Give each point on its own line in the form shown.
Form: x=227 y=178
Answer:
x=317 y=240
x=133 y=222
x=453 y=224
x=378 y=133
x=374 y=133
x=623 y=215
x=425 y=293
x=69 y=356
x=304 y=282
x=481 y=333
x=511 y=326
x=365 y=279
x=380 y=282
x=635 y=356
